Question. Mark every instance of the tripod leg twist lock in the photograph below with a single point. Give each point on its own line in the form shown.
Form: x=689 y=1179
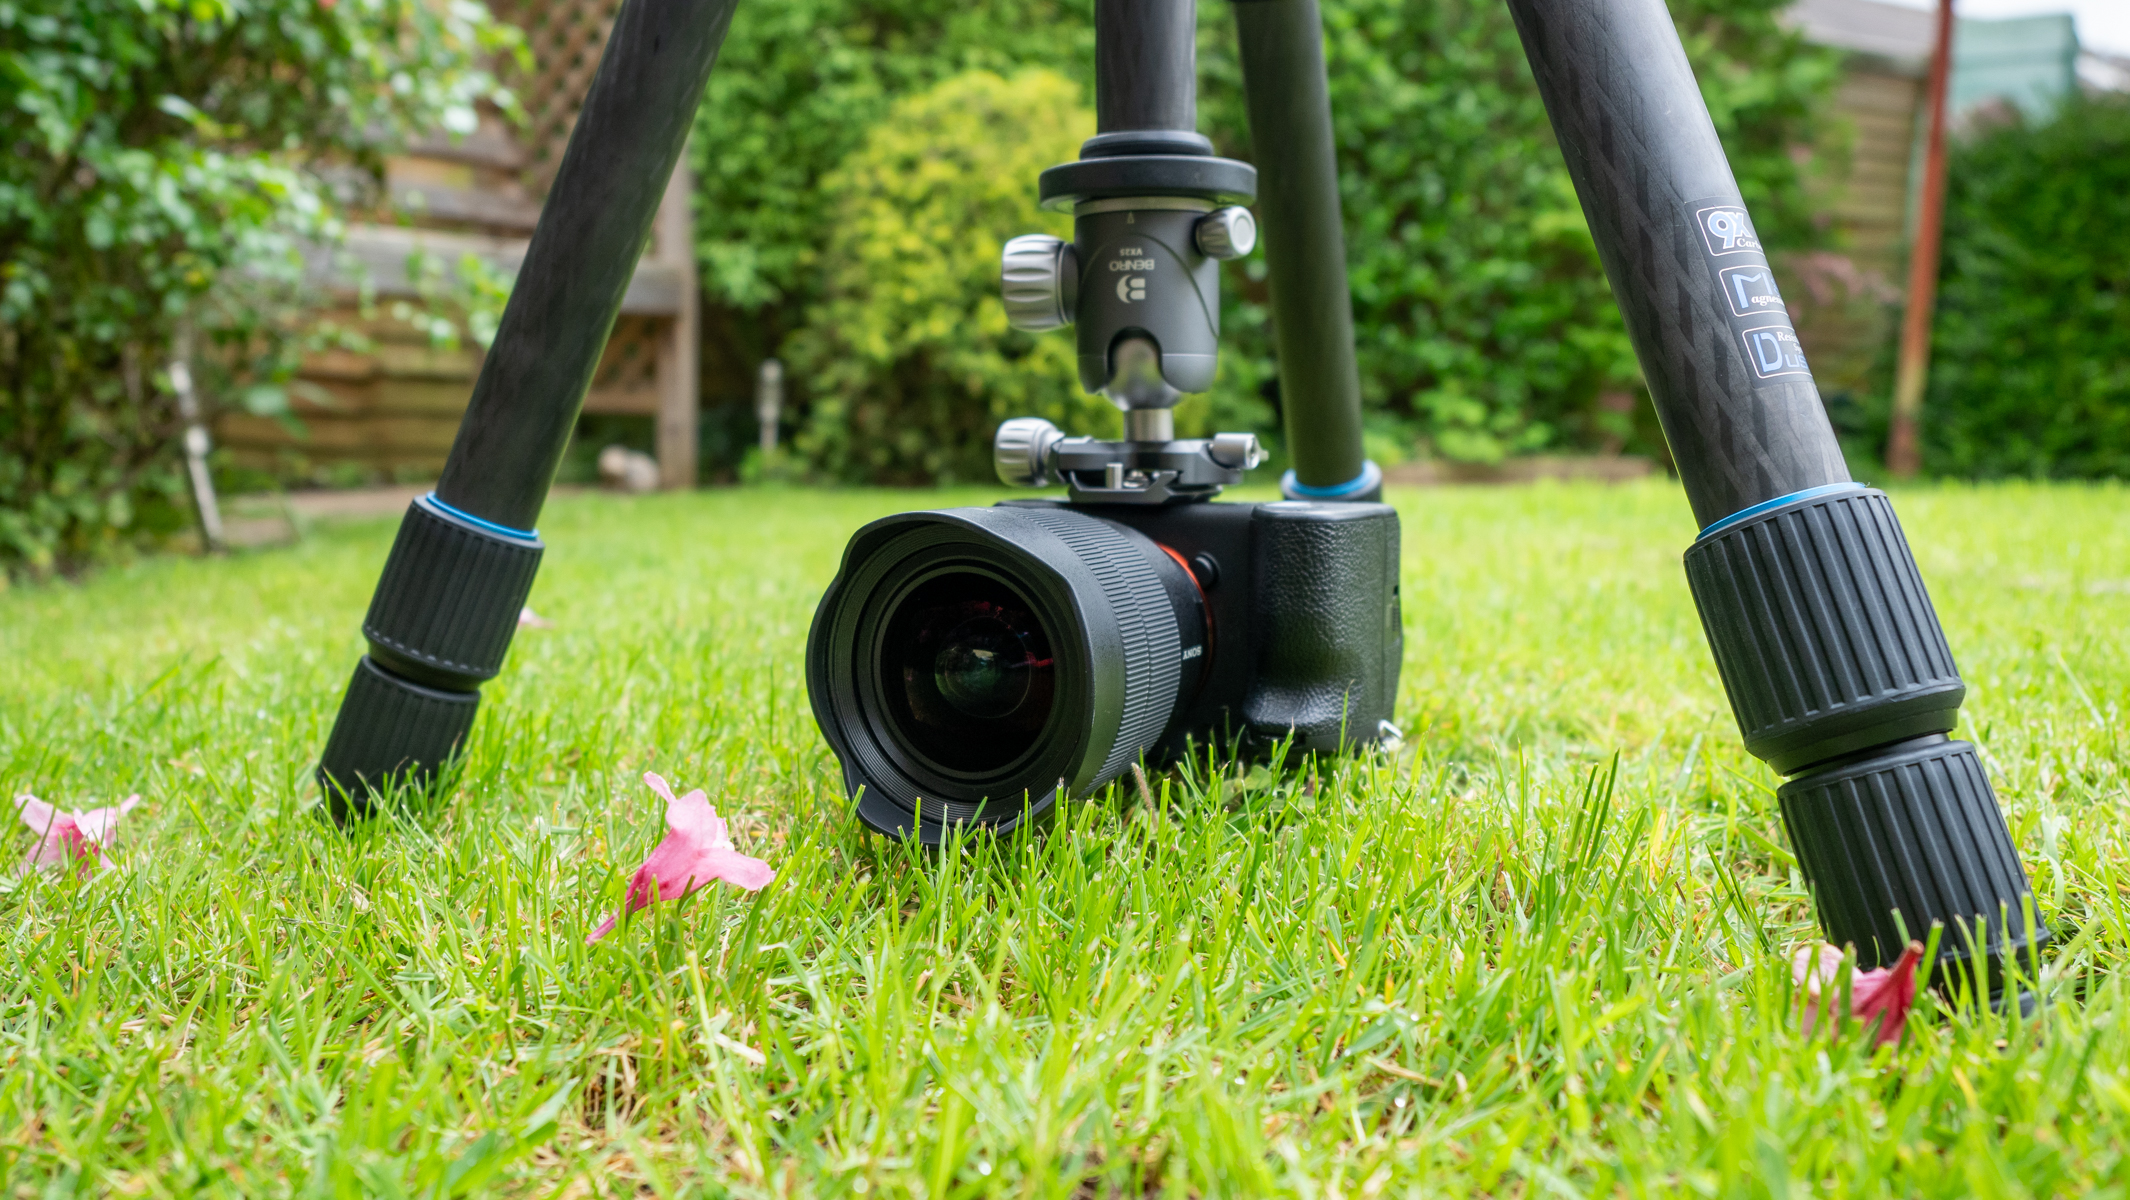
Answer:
x=438 y=627
x=1840 y=676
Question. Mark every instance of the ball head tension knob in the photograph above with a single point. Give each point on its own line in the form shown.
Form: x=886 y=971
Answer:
x=1226 y=233
x=1235 y=451
x=1021 y=451
x=1039 y=277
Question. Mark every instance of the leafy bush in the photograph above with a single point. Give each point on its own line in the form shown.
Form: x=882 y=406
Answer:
x=908 y=355
x=1485 y=323
x=157 y=174
x=2030 y=355
x=800 y=86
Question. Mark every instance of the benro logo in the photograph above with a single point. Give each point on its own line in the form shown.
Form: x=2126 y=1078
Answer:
x=1728 y=230
x=1131 y=288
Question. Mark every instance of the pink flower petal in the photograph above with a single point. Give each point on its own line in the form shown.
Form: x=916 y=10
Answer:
x=70 y=837
x=97 y=824
x=696 y=850
x=1881 y=997
x=35 y=813
x=528 y=619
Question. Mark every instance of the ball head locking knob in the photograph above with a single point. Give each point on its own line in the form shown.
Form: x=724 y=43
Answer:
x=1039 y=277
x=1235 y=451
x=1226 y=233
x=1021 y=451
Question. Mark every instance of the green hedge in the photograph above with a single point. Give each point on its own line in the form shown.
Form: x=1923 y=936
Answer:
x=2030 y=356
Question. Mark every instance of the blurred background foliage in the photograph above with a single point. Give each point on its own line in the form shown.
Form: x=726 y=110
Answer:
x=1485 y=322
x=165 y=165
x=907 y=353
x=859 y=163
x=2030 y=359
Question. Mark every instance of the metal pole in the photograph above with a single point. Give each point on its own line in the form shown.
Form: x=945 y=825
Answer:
x=447 y=605
x=769 y=403
x=1830 y=652
x=1904 y=449
x=1291 y=139
x=197 y=442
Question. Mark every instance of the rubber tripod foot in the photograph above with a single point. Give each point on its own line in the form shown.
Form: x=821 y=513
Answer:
x=391 y=734
x=1905 y=838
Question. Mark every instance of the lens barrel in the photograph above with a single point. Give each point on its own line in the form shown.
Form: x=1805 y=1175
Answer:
x=977 y=665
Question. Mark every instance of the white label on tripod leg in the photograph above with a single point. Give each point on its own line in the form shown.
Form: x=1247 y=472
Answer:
x=1773 y=350
x=1727 y=229
x=1751 y=289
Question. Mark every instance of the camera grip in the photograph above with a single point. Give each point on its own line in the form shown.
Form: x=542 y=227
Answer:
x=1325 y=622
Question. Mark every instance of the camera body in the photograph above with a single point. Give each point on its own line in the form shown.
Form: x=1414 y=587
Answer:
x=979 y=665
x=1305 y=634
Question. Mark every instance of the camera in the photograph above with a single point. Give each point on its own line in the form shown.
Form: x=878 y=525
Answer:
x=983 y=664
x=980 y=666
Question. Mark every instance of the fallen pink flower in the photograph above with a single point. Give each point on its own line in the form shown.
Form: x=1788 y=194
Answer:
x=69 y=837
x=696 y=851
x=1885 y=995
x=528 y=619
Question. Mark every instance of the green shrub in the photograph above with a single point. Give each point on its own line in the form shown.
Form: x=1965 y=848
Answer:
x=908 y=356
x=799 y=86
x=155 y=174
x=2030 y=353
x=1485 y=324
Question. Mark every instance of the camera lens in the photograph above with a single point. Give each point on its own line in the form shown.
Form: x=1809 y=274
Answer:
x=983 y=664
x=970 y=673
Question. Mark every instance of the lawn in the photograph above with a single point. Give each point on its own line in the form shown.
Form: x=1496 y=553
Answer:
x=1541 y=949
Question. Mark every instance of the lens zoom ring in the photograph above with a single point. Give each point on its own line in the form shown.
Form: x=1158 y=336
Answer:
x=1822 y=632
x=1153 y=648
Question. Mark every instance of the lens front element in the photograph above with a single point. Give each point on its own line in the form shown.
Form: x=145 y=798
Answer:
x=985 y=669
x=969 y=670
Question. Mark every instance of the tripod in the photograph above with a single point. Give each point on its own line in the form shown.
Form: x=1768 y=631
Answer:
x=1826 y=641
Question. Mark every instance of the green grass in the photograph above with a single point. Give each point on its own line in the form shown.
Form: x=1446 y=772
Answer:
x=1495 y=962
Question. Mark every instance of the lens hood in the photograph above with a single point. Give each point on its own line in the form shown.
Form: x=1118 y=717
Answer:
x=1083 y=633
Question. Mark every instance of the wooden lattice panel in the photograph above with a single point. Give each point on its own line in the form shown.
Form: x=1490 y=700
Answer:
x=565 y=38
x=627 y=378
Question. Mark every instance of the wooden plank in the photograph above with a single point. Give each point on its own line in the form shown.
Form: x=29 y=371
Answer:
x=421 y=398
x=466 y=205
x=657 y=290
x=340 y=366
x=679 y=385
x=384 y=436
x=490 y=145
x=623 y=402
x=378 y=254
x=340 y=399
x=427 y=361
